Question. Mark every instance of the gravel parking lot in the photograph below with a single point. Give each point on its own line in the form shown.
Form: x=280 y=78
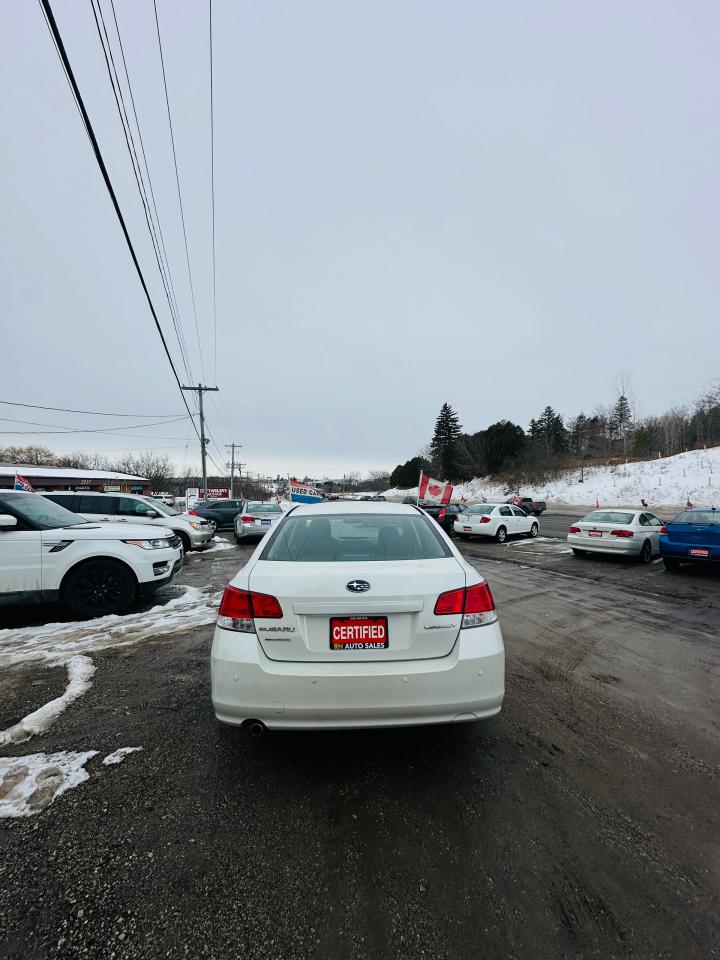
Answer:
x=581 y=823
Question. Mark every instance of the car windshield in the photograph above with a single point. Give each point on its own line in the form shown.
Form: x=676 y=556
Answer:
x=484 y=508
x=40 y=513
x=608 y=516
x=364 y=536
x=698 y=516
x=161 y=507
x=263 y=507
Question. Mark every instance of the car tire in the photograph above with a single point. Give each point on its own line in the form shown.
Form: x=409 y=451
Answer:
x=187 y=546
x=501 y=535
x=671 y=563
x=578 y=553
x=534 y=530
x=645 y=555
x=98 y=588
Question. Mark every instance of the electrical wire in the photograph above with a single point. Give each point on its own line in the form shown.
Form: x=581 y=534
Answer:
x=63 y=429
x=90 y=413
x=139 y=179
x=177 y=181
x=60 y=47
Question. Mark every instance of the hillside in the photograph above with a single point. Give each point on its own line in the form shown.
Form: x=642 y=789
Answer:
x=671 y=481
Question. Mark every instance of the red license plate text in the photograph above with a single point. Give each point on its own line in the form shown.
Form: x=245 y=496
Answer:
x=699 y=552
x=594 y=533
x=358 y=633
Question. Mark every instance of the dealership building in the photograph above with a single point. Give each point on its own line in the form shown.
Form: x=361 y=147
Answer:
x=44 y=479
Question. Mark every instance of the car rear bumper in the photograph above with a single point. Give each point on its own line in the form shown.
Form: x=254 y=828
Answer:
x=250 y=530
x=468 y=684
x=681 y=551
x=629 y=547
x=476 y=529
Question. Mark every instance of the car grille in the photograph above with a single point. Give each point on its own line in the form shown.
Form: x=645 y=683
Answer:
x=174 y=541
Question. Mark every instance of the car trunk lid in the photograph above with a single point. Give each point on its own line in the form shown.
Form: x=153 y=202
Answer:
x=397 y=609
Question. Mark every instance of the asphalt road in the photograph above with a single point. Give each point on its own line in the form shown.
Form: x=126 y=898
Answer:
x=581 y=823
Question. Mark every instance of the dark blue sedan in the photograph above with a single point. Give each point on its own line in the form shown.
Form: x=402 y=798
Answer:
x=693 y=535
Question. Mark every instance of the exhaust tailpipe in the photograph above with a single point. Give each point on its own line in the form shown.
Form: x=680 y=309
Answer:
x=256 y=728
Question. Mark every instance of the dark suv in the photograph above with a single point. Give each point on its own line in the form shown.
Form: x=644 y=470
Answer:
x=443 y=513
x=223 y=512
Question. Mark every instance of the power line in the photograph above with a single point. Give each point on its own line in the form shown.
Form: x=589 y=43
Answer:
x=163 y=267
x=177 y=180
x=212 y=187
x=90 y=413
x=63 y=429
x=60 y=47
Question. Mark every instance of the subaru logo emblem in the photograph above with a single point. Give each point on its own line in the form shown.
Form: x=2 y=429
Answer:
x=358 y=586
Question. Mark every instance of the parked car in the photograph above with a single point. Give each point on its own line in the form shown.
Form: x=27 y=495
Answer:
x=256 y=518
x=48 y=553
x=411 y=499
x=444 y=514
x=693 y=535
x=219 y=513
x=167 y=498
x=356 y=615
x=194 y=532
x=530 y=506
x=498 y=520
x=628 y=533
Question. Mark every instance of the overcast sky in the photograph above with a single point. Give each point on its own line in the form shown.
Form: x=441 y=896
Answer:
x=498 y=205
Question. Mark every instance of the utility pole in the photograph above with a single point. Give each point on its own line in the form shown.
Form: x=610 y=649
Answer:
x=200 y=390
x=232 y=467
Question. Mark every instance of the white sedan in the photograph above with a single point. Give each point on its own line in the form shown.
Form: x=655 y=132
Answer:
x=356 y=615
x=498 y=520
x=634 y=533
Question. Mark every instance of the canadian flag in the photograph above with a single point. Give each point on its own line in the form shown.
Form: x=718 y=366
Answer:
x=435 y=490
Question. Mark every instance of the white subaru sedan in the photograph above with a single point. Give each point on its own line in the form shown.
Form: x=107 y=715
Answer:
x=498 y=520
x=356 y=615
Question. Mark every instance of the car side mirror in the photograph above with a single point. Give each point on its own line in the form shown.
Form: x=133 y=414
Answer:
x=7 y=522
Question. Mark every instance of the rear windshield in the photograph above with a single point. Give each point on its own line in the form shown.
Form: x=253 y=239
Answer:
x=484 y=508
x=608 y=516
x=698 y=516
x=355 y=537
x=261 y=507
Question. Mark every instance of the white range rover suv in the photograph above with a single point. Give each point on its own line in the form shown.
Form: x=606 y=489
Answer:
x=48 y=553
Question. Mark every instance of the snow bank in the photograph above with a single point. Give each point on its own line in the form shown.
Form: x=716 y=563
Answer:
x=694 y=476
x=56 y=643
x=30 y=784
x=80 y=672
x=119 y=755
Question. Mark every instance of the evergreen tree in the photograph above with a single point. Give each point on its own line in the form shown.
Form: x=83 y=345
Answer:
x=622 y=418
x=407 y=474
x=442 y=445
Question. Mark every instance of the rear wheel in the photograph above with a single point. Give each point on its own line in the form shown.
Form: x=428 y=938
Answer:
x=578 y=553
x=671 y=563
x=646 y=552
x=98 y=588
x=501 y=535
x=534 y=530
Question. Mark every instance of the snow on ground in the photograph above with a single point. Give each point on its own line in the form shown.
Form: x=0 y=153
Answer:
x=119 y=755
x=56 y=643
x=80 y=672
x=218 y=544
x=30 y=784
x=694 y=476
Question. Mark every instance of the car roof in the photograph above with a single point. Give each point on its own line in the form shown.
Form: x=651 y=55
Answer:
x=354 y=506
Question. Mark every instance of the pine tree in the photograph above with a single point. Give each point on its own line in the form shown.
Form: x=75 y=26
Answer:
x=442 y=445
x=622 y=418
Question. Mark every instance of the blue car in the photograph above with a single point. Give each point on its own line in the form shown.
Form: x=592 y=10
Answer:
x=693 y=535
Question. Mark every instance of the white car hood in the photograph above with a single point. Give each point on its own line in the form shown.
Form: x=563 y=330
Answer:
x=110 y=531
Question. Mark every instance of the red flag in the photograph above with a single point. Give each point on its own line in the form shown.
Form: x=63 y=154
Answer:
x=435 y=490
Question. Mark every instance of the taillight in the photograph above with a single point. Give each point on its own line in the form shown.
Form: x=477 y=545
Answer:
x=442 y=514
x=484 y=519
x=239 y=608
x=574 y=530
x=663 y=529
x=449 y=603
x=621 y=533
x=475 y=603
x=193 y=513
x=247 y=519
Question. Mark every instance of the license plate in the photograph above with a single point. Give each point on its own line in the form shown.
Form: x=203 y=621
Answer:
x=594 y=533
x=265 y=523
x=699 y=552
x=358 y=633
x=467 y=529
